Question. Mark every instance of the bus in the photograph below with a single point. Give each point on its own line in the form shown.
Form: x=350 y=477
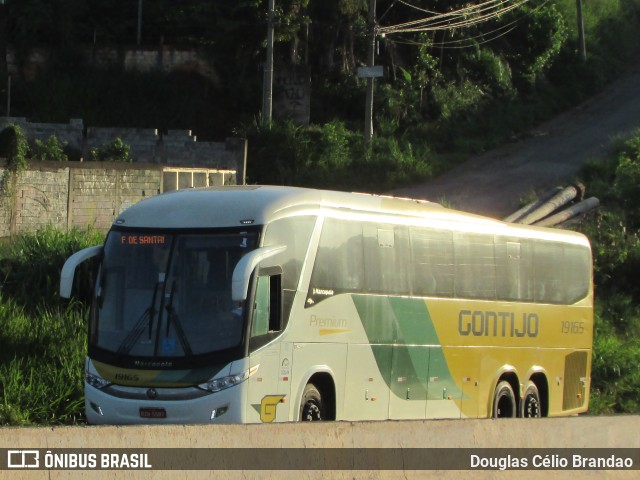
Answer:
x=255 y=304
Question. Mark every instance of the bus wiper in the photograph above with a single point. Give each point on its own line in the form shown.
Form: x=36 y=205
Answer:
x=147 y=317
x=172 y=315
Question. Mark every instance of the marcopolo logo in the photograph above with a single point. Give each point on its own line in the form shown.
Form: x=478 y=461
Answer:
x=23 y=459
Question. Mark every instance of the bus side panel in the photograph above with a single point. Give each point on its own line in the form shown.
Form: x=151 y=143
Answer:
x=409 y=379
x=472 y=400
x=270 y=386
x=444 y=395
x=418 y=370
x=367 y=388
x=521 y=337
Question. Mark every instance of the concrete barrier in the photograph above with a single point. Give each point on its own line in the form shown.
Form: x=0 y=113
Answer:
x=571 y=433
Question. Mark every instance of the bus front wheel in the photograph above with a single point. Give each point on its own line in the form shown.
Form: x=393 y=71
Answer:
x=311 y=407
x=504 y=401
x=531 y=402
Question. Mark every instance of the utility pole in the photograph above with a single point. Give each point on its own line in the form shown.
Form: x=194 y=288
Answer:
x=139 y=36
x=582 y=46
x=368 y=116
x=267 y=84
x=8 y=95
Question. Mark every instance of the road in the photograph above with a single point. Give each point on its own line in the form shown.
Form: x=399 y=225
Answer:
x=494 y=183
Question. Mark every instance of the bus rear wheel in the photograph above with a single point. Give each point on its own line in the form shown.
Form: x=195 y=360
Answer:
x=504 y=401
x=311 y=406
x=531 y=407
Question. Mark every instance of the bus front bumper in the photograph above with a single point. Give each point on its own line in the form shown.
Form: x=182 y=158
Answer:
x=225 y=406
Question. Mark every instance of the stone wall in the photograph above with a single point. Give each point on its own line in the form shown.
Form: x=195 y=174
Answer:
x=138 y=59
x=178 y=148
x=70 y=133
x=89 y=194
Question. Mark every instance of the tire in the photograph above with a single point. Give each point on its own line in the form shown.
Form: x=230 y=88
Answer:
x=531 y=406
x=311 y=407
x=504 y=401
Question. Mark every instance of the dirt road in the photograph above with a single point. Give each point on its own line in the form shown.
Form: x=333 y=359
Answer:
x=493 y=184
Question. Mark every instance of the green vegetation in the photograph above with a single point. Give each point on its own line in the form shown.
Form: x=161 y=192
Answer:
x=615 y=238
x=14 y=147
x=334 y=157
x=116 y=151
x=440 y=103
x=50 y=150
x=43 y=339
x=447 y=94
x=41 y=365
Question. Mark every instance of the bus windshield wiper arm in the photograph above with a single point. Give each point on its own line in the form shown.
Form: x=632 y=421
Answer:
x=177 y=325
x=146 y=317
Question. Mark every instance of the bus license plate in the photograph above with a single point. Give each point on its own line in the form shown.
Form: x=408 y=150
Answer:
x=153 y=412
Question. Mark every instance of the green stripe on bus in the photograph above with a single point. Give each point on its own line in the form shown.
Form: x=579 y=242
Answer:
x=406 y=347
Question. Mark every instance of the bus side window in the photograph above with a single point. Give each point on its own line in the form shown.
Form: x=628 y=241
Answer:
x=267 y=307
x=275 y=303
x=261 y=313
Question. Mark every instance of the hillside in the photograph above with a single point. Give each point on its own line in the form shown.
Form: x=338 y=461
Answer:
x=493 y=184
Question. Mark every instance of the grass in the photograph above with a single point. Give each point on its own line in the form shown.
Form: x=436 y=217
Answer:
x=43 y=337
x=41 y=365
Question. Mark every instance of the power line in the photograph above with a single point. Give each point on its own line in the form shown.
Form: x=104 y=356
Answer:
x=472 y=41
x=457 y=19
x=461 y=18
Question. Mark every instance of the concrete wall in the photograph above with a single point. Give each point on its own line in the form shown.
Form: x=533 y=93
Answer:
x=175 y=148
x=139 y=59
x=89 y=194
x=570 y=433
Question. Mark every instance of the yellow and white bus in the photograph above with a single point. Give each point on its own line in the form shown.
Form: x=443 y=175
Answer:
x=262 y=304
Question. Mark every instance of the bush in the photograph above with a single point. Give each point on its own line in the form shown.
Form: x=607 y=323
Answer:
x=31 y=263
x=116 y=151
x=615 y=240
x=14 y=147
x=332 y=156
x=51 y=150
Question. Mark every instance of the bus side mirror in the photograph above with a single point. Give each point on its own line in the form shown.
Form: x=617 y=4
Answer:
x=69 y=268
x=244 y=268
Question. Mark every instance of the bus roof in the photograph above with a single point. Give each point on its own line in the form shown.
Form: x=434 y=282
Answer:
x=237 y=206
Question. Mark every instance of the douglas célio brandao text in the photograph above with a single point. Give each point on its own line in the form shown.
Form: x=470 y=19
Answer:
x=550 y=462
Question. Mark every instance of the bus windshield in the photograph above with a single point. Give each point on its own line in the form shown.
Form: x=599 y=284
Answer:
x=166 y=295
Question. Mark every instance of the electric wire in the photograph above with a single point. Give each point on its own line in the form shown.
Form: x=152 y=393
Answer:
x=461 y=18
x=467 y=42
x=444 y=22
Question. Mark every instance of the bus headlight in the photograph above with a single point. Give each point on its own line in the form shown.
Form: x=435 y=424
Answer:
x=95 y=380
x=217 y=384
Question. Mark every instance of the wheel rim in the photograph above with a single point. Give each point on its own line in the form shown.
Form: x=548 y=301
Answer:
x=311 y=412
x=532 y=407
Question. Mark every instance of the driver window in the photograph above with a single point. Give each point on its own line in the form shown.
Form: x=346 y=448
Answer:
x=260 y=325
x=266 y=321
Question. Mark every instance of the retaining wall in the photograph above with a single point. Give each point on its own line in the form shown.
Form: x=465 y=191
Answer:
x=90 y=194
x=570 y=433
x=178 y=148
x=139 y=59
